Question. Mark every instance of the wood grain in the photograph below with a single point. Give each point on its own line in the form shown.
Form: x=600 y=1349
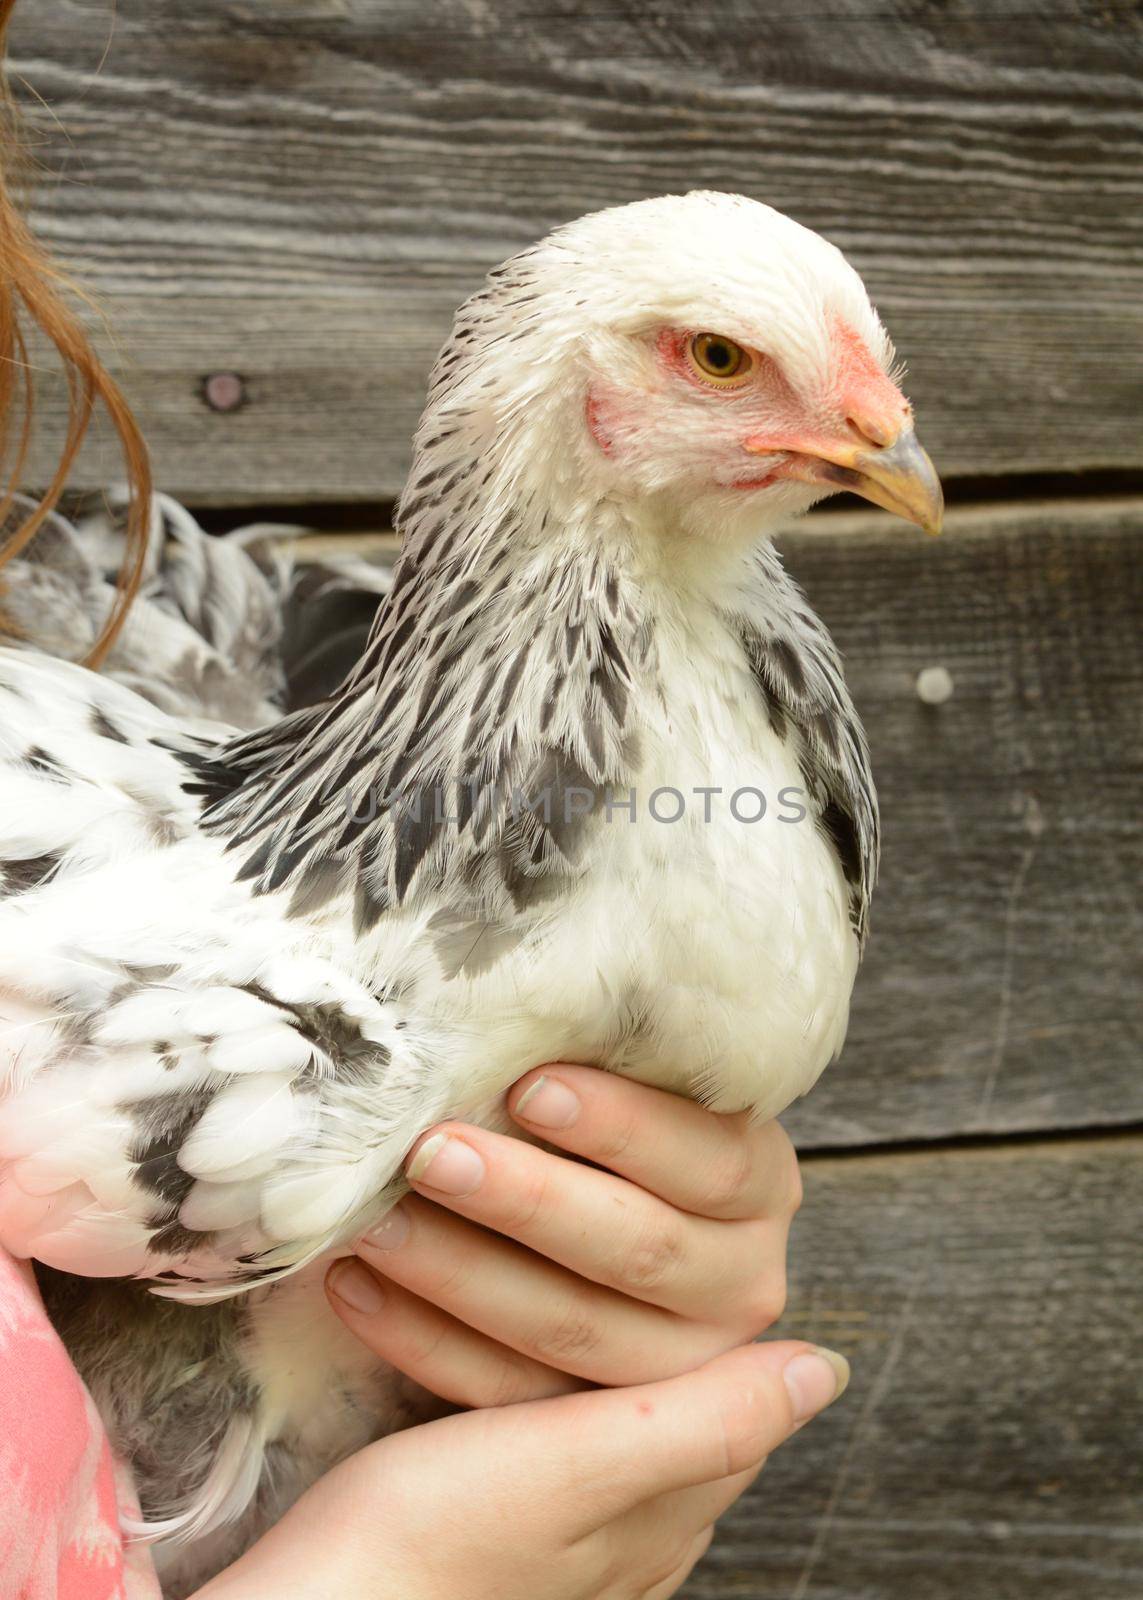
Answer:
x=303 y=192
x=988 y=1445
x=1003 y=981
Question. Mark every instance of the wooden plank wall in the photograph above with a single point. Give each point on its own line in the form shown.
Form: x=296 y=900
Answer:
x=988 y=1448
x=300 y=191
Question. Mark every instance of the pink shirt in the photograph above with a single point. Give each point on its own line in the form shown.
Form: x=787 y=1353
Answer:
x=61 y=1491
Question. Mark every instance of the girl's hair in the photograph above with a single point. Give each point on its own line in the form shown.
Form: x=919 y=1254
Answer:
x=33 y=291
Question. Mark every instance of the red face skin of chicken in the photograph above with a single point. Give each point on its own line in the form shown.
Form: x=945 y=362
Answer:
x=856 y=435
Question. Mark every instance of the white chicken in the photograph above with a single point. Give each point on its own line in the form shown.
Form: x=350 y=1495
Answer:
x=595 y=791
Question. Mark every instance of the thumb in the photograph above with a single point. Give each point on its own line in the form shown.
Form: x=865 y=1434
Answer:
x=724 y=1418
x=598 y=1453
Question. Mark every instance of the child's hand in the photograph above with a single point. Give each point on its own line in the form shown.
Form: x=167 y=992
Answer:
x=608 y=1495
x=514 y=1273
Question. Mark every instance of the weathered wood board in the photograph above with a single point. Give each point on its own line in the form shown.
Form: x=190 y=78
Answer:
x=302 y=193
x=988 y=1446
x=1003 y=988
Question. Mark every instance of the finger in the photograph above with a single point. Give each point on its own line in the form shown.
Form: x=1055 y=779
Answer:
x=570 y=1466
x=688 y=1511
x=606 y=1229
x=509 y=1294
x=707 y=1426
x=675 y=1529
x=670 y=1585
x=653 y=1547
x=441 y=1354
x=699 y=1160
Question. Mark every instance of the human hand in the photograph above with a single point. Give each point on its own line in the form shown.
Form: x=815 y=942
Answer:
x=605 y=1495
x=537 y=1275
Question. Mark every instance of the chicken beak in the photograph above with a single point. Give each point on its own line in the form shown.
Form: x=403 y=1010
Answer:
x=898 y=476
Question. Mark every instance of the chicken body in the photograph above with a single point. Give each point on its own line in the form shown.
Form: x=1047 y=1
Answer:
x=239 y=978
x=233 y=1081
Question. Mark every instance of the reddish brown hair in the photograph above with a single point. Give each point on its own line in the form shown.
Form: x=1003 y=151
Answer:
x=33 y=292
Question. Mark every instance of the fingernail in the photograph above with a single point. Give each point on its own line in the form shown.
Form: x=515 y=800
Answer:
x=357 y=1286
x=448 y=1165
x=391 y=1232
x=547 y=1103
x=815 y=1379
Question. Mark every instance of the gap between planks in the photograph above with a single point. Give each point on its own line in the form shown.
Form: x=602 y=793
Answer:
x=376 y=537
x=977 y=1143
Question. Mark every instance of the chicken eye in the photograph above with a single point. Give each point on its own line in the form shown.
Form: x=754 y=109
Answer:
x=718 y=358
